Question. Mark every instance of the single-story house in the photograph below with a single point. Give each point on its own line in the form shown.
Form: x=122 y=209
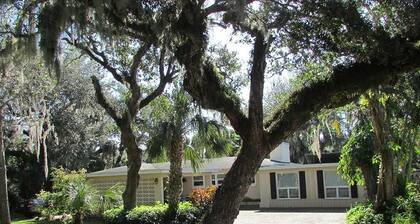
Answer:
x=278 y=183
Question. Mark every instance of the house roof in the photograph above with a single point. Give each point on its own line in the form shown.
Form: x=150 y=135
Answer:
x=215 y=165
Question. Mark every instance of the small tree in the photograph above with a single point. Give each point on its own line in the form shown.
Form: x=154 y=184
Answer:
x=176 y=119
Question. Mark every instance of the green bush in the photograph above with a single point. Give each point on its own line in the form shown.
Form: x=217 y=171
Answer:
x=363 y=214
x=153 y=214
x=402 y=210
x=406 y=209
x=146 y=214
x=115 y=216
x=73 y=195
x=188 y=214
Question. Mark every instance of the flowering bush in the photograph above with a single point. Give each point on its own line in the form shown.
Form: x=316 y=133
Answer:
x=202 y=197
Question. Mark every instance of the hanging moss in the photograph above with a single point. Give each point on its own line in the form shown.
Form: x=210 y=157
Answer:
x=52 y=21
x=28 y=45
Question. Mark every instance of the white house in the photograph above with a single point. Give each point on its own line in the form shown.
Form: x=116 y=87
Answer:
x=278 y=183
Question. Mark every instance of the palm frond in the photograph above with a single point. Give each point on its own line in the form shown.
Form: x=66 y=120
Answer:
x=194 y=156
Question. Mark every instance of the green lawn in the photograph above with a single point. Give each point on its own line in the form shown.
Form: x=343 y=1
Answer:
x=32 y=221
x=20 y=219
x=27 y=221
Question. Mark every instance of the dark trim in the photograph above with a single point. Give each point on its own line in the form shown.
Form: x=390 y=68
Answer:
x=320 y=183
x=302 y=184
x=273 y=186
x=353 y=189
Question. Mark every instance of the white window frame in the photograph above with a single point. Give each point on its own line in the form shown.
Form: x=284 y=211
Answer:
x=336 y=187
x=216 y=179
x=288 y=188
x=198 y=186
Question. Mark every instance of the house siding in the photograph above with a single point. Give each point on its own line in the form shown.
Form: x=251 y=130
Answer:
x=254 y=190
x=311 y=199
x=148 y=192
x=151 y=187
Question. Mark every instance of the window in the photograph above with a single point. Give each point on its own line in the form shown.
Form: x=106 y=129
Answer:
x=335 y=186
x=198 y=181
x=217 y=179
x=287 y=185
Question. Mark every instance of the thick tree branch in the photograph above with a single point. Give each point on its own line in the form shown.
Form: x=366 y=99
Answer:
x=221 y=6
x=99 y=57
x=202 y=80
x=255 y=112
x=165 y=78
x=137 y=58
x=134 y=101
x=344 y=85
x=103 y=102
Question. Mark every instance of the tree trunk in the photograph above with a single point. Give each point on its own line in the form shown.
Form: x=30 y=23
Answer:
x=175 y=174
x=118 y=161
x=4 y=201
x=387 y=180
x=134 y=157
x=228 y=197
x=254 y=148
x=370 y=180
x=43 y=165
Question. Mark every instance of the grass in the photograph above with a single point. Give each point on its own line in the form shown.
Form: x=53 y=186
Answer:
x=19 y=219
x=27 y=221
x=32 y=221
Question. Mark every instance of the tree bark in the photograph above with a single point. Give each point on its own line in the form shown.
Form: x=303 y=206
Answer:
x=201 y=81
x=134 y=157
x=228 y=197
x=175 y=174
x=370 y=180
x=4 y=202
x=387 y=180
x=254 y=148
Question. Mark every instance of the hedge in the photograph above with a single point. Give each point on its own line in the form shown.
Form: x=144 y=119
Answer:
x=153 y=214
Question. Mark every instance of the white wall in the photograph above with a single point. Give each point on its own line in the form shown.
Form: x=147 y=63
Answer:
x=311 y=199
x=281 y=153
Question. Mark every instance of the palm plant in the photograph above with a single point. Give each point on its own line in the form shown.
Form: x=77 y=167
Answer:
x=181 y=132
x=83 y=199
x=112 y=197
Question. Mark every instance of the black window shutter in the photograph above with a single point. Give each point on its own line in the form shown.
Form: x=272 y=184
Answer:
x=302 y=184
x=273 y=186
x=354 y=193
x=320 y=181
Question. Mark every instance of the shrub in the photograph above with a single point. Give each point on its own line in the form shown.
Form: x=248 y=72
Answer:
x=111 y=198
x=147 y=214
x=202 y=197
x=187 y=214
x=115 y=216
x=153 y=214
x=71 y=195
x=49 y=204
x=363 y=214
x=406 y=209
x=402 y=210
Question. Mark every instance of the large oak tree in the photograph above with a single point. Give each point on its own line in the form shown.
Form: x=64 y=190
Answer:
x=368 y=53
x=361 y=44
